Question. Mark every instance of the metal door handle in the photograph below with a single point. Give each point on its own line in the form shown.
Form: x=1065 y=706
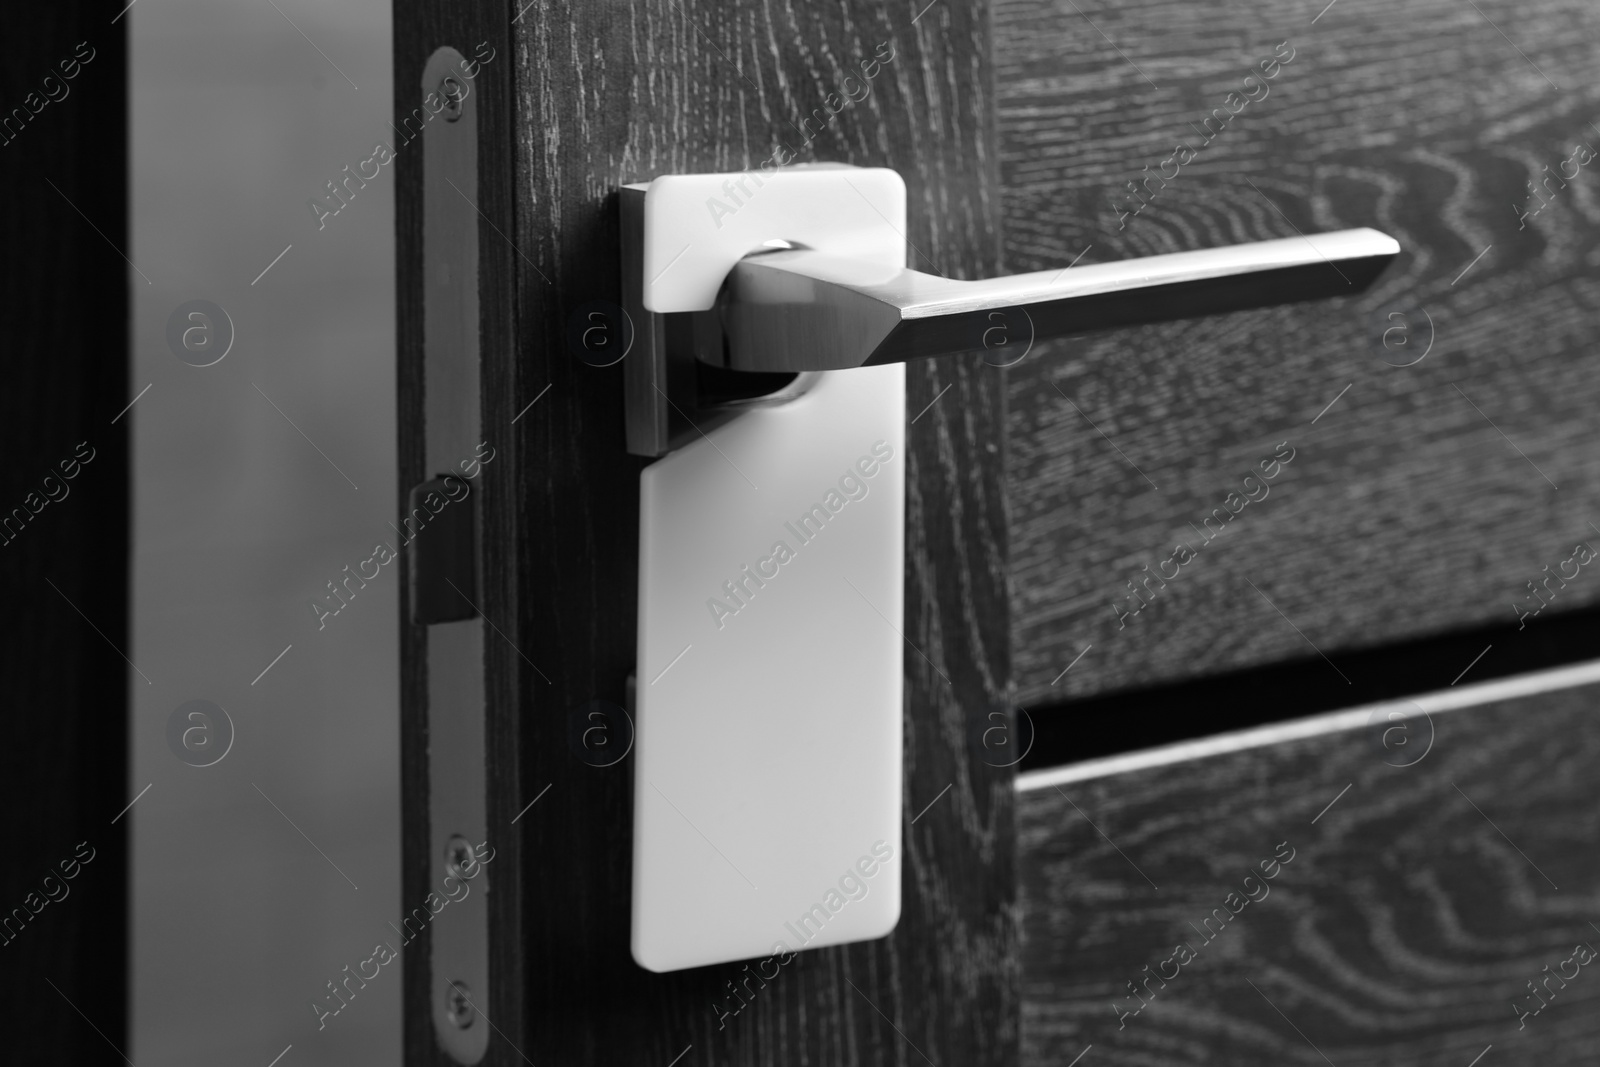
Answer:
x=806 y=272
x=804 y=310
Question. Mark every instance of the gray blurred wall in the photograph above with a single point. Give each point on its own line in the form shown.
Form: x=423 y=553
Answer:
x=238 y=919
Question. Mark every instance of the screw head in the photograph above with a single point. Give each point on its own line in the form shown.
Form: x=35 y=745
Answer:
x=453 y=92
x=458 y=1006
x=459 y=856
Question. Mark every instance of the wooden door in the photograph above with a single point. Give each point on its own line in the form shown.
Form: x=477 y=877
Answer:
x=1436 y=904
x=1421 y=496
x=575 y=101
x=1416 y=544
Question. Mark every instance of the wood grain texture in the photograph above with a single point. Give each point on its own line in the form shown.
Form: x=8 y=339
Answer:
x=1400 y=933
x=1407 y=510
x=64 y=318
x=598 y=96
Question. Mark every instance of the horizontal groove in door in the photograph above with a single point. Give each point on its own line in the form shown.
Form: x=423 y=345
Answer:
x=1435 y=703
x=1105 y=725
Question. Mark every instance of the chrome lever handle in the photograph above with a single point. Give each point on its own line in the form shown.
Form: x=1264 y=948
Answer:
x=804 y=310
x=718 y=322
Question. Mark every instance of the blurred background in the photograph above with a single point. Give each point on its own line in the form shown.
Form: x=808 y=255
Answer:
x=258 y=877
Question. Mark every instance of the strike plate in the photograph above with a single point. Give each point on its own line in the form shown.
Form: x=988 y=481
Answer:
x=459 y=933
x=767 y=775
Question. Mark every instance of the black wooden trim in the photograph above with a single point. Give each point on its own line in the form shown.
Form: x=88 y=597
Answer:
x=64 y=569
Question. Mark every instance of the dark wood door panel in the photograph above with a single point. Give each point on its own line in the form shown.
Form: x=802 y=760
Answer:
x=589 y=97
x=1426 y=497
x=1419 y=902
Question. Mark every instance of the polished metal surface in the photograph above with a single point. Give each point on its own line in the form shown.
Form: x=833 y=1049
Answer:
x=459 y=933
x=802 y=310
